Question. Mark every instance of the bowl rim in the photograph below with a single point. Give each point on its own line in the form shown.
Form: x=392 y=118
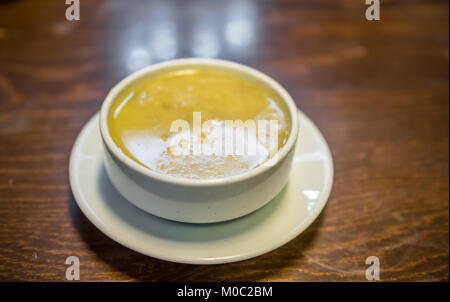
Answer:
x=224 y=64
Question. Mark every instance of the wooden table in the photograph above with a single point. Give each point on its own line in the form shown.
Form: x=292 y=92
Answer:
x=378 y=90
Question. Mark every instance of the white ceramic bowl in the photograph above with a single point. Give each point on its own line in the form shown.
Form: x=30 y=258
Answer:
x=197 y=200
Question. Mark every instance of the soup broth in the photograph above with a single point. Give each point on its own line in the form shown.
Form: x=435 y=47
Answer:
x=141 y=118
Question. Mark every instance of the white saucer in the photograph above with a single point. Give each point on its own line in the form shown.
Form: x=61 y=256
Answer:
x=285 y=217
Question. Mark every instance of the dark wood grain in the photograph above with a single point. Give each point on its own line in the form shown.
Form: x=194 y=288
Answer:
x=378 y=91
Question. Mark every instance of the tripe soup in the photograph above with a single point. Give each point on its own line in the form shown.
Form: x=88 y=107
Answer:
x=141 y=123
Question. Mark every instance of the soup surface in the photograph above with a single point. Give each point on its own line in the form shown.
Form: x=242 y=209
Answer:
x=142 y=116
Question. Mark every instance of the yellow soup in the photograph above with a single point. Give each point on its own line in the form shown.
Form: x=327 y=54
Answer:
x=178 y=123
